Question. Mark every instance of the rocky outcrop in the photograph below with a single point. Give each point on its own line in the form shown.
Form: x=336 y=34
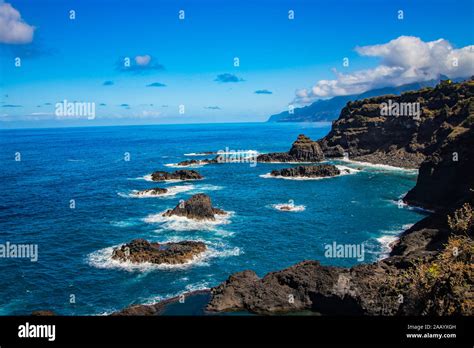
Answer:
x=140 y=250
x=197 y=207
x=305 y=286
x=316 y=171
x=401 y=138
x=303 y=150
x=198 y=162
x=151 y=192
x=183 y=174
x=159 y=308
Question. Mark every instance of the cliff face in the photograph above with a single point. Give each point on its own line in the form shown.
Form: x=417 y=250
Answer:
x=370 y=134
x=411 y=281
x=446 y=178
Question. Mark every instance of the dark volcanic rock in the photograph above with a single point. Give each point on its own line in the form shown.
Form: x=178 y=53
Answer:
x=197 y=207
x=140 y=250
x=160 y=307
x=198 y=162
x=317 y=171
x=151 y=192
x=365 y=289
x=182 y=174
x=402 y=141
x=446 y=178
x=332 y=151
x=303 y=150
x=304 y=286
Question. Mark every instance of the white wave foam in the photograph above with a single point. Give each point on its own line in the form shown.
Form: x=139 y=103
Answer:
x=388 y=239
x=194 y=165
x=182 y=223
x=207 y=187
x=383 y=167
x=401 y=204
x=103 y=259
x=172 y=191
x=386 y=242
x=288 y=207
x=123 y=223
x=198 y=154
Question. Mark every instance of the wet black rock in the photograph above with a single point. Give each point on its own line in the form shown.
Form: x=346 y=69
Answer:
x=198 y=207
x=140 y=251
x=316 y=171
x=182 y=174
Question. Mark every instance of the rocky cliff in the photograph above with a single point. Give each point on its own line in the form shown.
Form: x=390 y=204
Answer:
x=403 y=130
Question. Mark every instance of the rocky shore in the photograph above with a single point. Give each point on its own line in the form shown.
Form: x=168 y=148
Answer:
x=183 y=174
x=316 y=171
x=141 y=250
x=429 y=271
x=198 y=207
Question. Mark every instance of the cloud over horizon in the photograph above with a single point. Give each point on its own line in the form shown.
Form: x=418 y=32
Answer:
x=404 y=60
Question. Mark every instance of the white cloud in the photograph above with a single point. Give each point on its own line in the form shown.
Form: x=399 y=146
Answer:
x=406 y=59
x=13 y=30
x=143 y=60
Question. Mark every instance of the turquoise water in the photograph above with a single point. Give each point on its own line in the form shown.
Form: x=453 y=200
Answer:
x=88 y=166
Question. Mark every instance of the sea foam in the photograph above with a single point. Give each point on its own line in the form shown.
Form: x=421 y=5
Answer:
x=182 y=223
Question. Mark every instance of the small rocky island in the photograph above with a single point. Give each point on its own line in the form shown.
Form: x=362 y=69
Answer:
x=193 y=162
x=198 y=207
x=303 y=150
x=177 y=175
x=316 y=171
x=140 y=251
x=151 y=192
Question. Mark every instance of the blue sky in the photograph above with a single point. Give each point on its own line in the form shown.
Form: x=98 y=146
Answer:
x=77 y=60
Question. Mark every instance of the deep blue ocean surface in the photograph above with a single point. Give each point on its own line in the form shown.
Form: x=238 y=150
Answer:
x=88 y=165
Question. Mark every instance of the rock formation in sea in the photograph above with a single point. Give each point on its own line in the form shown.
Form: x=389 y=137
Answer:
x=198 y=162
x=198 y=207
x=303 y=150
x=152 y=192
x=182 y=174
x=140 y=250
x=429 y=271
x=316 y=171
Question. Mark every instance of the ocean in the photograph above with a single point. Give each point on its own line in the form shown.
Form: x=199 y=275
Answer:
x=70 y=192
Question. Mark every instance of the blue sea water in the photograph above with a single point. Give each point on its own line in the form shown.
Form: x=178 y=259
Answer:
x=87 y=165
